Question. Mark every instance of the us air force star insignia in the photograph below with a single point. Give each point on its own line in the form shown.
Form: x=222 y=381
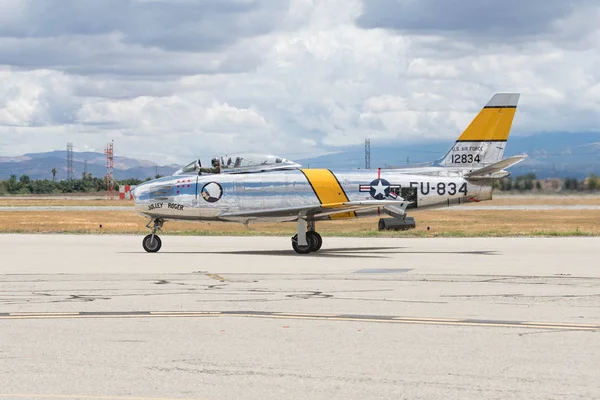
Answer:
x=379 y=189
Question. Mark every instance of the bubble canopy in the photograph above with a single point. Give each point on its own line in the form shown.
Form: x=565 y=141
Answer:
x=238 y=164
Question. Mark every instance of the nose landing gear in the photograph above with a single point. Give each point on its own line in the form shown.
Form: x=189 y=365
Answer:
x=314 y=241
x=152 y=243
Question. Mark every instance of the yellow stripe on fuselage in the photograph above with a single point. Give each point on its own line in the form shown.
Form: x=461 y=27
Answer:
x=328 y=190
x=492 y=123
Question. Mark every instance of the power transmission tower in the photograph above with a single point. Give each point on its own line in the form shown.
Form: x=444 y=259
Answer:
x=110 y=186
x=367 y=153
x=70 y=172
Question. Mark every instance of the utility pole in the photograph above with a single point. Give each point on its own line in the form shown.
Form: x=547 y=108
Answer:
x=110 y=187
x=70 y=173
x=367 y=153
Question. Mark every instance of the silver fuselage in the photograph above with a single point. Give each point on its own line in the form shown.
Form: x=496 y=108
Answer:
x=181 y=197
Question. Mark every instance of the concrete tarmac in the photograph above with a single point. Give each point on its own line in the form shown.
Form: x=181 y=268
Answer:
x=95 y=317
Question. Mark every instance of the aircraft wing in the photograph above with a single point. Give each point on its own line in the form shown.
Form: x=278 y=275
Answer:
x=315 y=212
x=487 y=172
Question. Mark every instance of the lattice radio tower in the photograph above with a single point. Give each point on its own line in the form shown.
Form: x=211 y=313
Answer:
x=367 y=153
x=110 y=185
x=70 y=172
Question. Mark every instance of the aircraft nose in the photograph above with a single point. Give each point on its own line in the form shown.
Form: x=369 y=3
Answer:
x=136 y=191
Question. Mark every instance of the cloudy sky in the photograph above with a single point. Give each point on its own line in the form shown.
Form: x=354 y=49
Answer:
x=170 y=80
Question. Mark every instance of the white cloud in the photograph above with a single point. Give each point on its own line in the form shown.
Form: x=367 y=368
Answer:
x=429 y=69
x=36 y=98
x=293 y=81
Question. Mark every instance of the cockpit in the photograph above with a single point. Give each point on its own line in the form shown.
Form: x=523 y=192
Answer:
x=238 y=164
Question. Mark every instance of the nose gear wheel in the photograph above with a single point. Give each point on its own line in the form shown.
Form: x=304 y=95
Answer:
x=151 y=243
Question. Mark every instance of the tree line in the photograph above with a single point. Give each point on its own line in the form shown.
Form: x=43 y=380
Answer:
x=90 y=184
x=87 y=184
x=528 y=182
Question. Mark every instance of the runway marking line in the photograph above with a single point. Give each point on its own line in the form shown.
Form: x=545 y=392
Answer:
x=216 y=277
x=48 y=313
x=429 y=319
x=185 y=313
x=303 y=314
x=324 y=317
x=67 y=396
x=561 y=324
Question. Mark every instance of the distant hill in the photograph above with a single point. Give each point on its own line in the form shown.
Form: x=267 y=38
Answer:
x=554 y=154
x=39 y=166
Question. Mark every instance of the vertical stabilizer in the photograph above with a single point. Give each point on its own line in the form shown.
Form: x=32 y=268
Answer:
x=484 y=140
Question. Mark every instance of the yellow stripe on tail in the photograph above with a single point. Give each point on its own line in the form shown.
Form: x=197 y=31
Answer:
x=492 y=124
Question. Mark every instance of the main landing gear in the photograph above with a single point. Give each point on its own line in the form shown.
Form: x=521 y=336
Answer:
x=307 y=239
x=152 y=242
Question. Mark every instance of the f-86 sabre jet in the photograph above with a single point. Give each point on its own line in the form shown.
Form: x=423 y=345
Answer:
x=245 y=190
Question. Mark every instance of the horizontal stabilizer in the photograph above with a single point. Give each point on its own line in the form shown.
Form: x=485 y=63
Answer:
x=490 y=170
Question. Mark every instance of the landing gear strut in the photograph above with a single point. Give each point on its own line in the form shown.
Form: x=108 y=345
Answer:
x=307 y=239
x=152 y=243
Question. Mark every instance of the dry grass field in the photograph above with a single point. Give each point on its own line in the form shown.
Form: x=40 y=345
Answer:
x=546 y=200
x=442 y=223
x=36 y=201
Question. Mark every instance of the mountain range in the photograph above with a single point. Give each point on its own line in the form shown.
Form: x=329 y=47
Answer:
x=556 y=154
x=550 y=155
x=40 y=165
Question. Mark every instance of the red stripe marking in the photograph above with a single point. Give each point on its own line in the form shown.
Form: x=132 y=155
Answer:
x=378 y=173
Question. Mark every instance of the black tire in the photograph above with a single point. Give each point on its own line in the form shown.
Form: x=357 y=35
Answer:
x=312 y=243
x=318 y=238
x=151 y=246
